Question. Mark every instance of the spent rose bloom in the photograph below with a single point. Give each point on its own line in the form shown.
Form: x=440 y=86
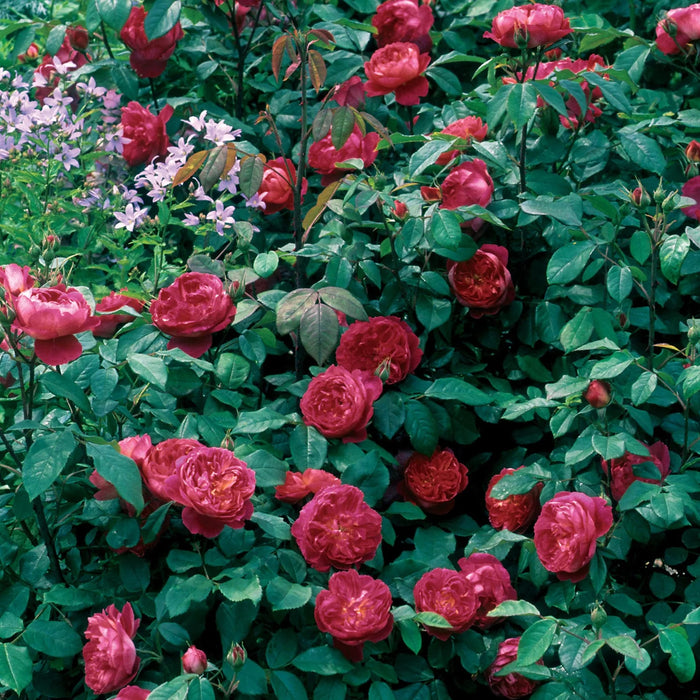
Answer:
x=566 y=532
x=621 y=469
x=491 y=582
x=144 y=133
x=337 y=528
x=355 y=609
x=323 y=156
x=191 y=310
x=404 y=20
x=148 y=57
x=678 y=30
x=691 y=189
x=467 y=129
x=276 y=188
x=383 y=345
x=448 y=593
x=529 y=25
x=338 y=403
x=53 y=316
x=159 y=463
x=515 y=512
x=108 y=322
x=215 y=488
x=434 y=482
x=512 y=685
x=110 y=654
x=467 y=184
x=397 y=68
x=298 y=485
x=194 y=661
x=483 y=283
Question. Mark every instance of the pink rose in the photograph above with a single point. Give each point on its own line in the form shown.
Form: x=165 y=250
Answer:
x=397 y=68
x=132 y=692
x=512 y=685
x=692 y=151
x=338 y=403
x=110 y=654
x=108 y=322
x=298 y=485
x=491 y=583
x=194 y=661
x=467 y=184
x=622 y=476
x=404 y=20
x=467 y=129
x=434 y=482
x=160 y=463
x=566 y=532
x=191 y=310
x=148 y=58
x=53 y=316
x=691 y=189
x=529 y=25
x=47 y=70
x=15 y=280
x=277 y=187
x=515 y=512
x=146 y=134
x=350 y=93
x=323 y=156
x=678 y=30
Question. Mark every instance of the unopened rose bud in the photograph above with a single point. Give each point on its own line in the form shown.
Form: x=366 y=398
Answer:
x=640 y=197
x=52 y=240
x=236 y=656
x=669 y=204
x=400 y=209
x=31 y=54
x=692 y=151
x=598 y=617
x=660 y=193
x=598 y=394
x=194 y=661
x=78 y=38
x=694 y=333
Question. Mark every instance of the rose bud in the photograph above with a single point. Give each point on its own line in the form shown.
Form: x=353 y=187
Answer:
x=78 y=37
x=528 y=26
x=598 y=394
x=236 y=656
x=692 y=151
x=512 y=685
x=399 y=210
x=194 y=661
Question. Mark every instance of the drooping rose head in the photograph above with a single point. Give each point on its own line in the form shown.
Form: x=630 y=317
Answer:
x=404 y=20
x=194 y=661
x=110 y=654
x=144 y=133
x=215 y=487
x=277 y=186
x=191 y=309
x=491 y=582
x=467 y=128
x=691 y=189
x=148 y=57
x=383 y=345
x=338 y=403
x=434 y=482
x=355 y=609
x=621 y=469
x=529 y=25
x=450 y=594
x=160 y=462
x=323 y=156
x=298 y=485
x=467 y=184
x=566 y=532
x=15 y=280
x=337 y=528
x=678 y=30
x=512 y=685
x=597 y=393
x=483 y=283
x=397 y=68
x=53 y=316
x=515 y=512
x=109 y=322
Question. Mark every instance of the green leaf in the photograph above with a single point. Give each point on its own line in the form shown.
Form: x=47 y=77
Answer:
x=114 y=12
x=567 y=209
x=322 y=660
x=175 y=689
x=432 y=312
x=625 y=645
x=253 y=422
x=410 y=634
x=292 y=308
x=151 y=369
x=59 y=385
x=308 y=447
x=509 y=608
x=640 y=246
x=250 y=175
x=342 y=300
x=444 y=228
x=185 y=591
x=231 y=370
x=272 y=525
x=552 y=97
x=448 y=389
x=200 y=689
x=15 y=667
x=281 y=649
x=578 y=330
x=427 y=155
x=643 y=151
x=45 y=460
x=341 y=126
x=591 y=649
x=609 y=446
x=673 y=252
x=242 y=588
x=690 y=379
x=266 y=263
x=120 y=471
x=368 y=475
x=612 y=366
x=535 y=641
x=287 y=686
x=319 y=330
x=422 y=428
x=568 y=262
x=284 y=595
x=522 y=102
x=445 y=79
x=55 y=39
x=611 y=90
x=161 y=18
x=57 y=639
x=674 y=641
x=432 y=619
x=619 y=282
x=389 y=414
x=643 y=387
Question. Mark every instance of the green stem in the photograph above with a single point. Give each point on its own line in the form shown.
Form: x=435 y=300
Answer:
x=152 y=83
x=104 y=39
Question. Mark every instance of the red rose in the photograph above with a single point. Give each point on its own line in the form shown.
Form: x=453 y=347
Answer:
x=676 y=32
x=148 y=58
x=47 y=70
x=338 y=403
x=597 y=393
x=323 y=156
x=350 y=93
x=298 y=485
x=404 y=20
x=145 y=136
x=399 y=210
x=434 y=482
x=467 y=184
x=15 y=280
x=491 y=582
x=108 y=323
x=468 y=128
x=450 y=594
x=194 y=661
x=397 y=68
x=355 y=609
x=621 y=471
x=110 y=654
x=483 y=283
x=52 y=316
x=132 y=692
x=515 y=512
x=78 y=37
x=383 y=345
x=191 y=309
x=160 y=463
x=215 y=487
x=691 y=189
x=529 y=25
x=337 y=528
x=692 y=151
x=566 y=532
x=277 y=187
x=430 y=194
x=512 y=685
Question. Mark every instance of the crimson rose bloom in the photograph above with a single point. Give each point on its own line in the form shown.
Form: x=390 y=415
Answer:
x=468 y=128
x=397 y=68
x=467 y=184
x=110 y=654
x=350 y=93
x=512 y=685
x=135 y=447
x=355 y=609
x=450 y=594
x=160 y=463
x=132 y=692
x=148 y=58
x=515 y=512
x=566 y=532
x=298 y=485
x=52 y=316
x=483 y=283
x=597 y=393
x=337 y=528
x=338 y=403
x=215 y=487
x=491 y=582
x=109 y=322
x=383 y=345
x=191 y=309
x=621 y=471
x=323 y=156
x=145 y=136
x=194 y=661
x=276 y=188
x=404 y=20
x=532 y=25
x=434 y=482
x=691 y=189
x=676 y=32
x=66 y=53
